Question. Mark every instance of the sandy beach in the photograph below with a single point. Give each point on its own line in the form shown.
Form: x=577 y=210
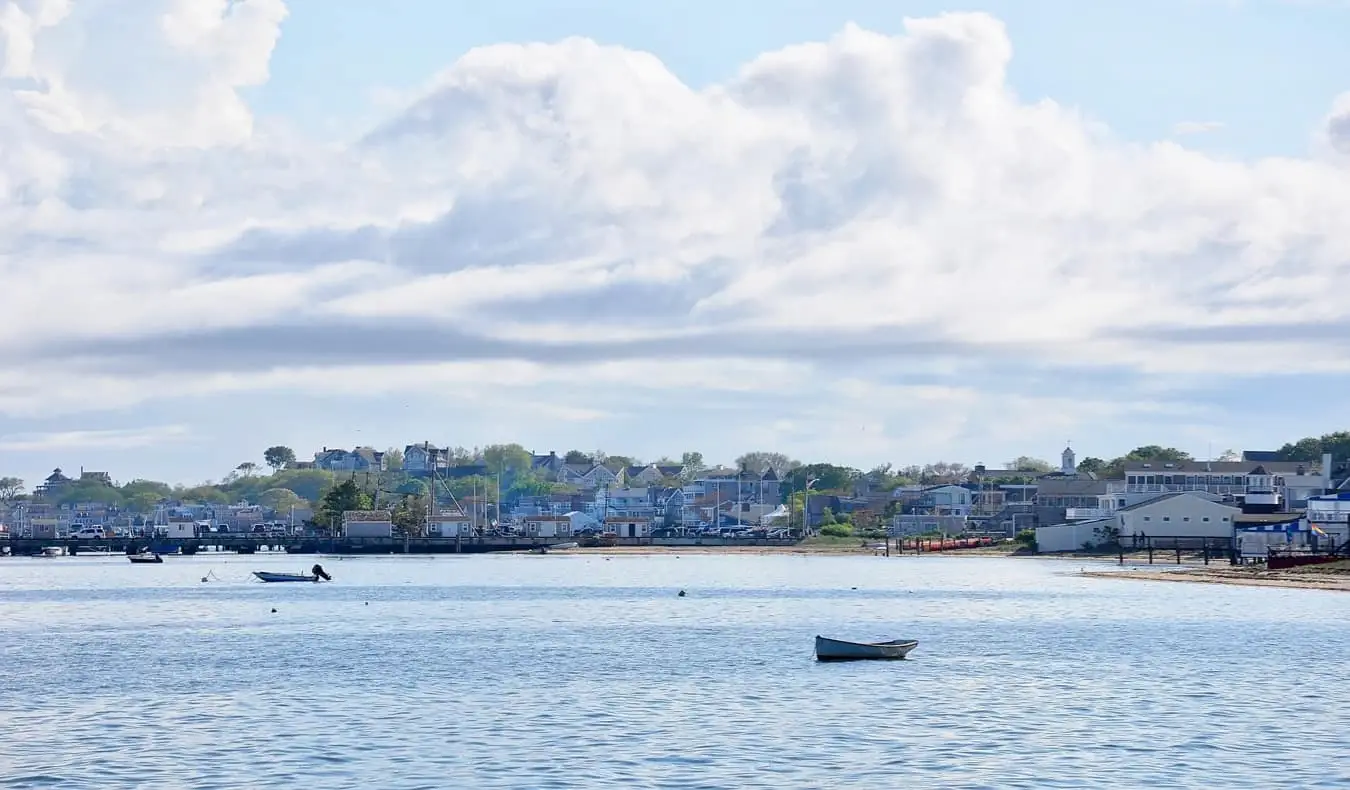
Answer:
x=1332 y=576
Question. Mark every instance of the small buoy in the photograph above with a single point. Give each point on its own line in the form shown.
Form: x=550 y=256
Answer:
x=367 y=603
x=274 y=611
x=853 y=588
x=681 y=593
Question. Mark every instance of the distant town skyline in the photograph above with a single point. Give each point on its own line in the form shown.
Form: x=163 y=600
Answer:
x=860 y=231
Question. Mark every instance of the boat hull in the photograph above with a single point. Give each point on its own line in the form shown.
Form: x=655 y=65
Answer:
x=151 y=560
x=840 y=650
x=284 y=577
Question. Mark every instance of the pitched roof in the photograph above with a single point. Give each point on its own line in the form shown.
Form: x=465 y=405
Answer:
x=1165 y=466
x=1173 y=495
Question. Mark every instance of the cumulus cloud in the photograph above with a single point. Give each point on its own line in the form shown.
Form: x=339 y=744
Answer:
x=568 y=209
x=1338 y=125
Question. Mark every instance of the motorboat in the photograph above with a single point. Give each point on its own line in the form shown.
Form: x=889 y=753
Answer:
x=842 y=650
x=268 y=576
x=554 y=547
x=145 y=558
x=53 y=551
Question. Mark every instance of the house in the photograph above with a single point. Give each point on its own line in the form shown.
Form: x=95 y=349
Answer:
x=424 y=459
x=591 y=475
x=367 y=524
x=360 y=459
x=906 y=524
x=449 y=525
x=547 y=527
x=547 y=467
x=651 y=474
x=1294 y=481
x=625 y=502
x=629 y=526
x=1331 y=514
x=1061 y=498
x=53 y=485
x=1176 y=515
x=738 y=484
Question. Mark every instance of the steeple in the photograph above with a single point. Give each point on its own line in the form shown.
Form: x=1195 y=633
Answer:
x=1067 y=463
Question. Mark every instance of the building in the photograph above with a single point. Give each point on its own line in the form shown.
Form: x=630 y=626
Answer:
x=629 y=526
x=449 y=525
x=1331 y=514
x=547 y=527
x=367 y=524
x=360 y=459
x=1176 y=515
x=425 y=459
x=1294 y=481
x=908 y=524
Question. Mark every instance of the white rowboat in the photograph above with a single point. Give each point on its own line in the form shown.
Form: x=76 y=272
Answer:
x=841 y=650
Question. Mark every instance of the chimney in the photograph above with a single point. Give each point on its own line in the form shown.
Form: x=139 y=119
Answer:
x=1326 y=469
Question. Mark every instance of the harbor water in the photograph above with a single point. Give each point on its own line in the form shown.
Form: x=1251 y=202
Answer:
x=586 y=671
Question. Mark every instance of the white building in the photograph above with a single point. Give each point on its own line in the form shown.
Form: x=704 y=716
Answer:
x=547 y=526
x=1331 y=514
x=1180 y=515
x=454 y=525
x=629 y=526
x=1293 y=480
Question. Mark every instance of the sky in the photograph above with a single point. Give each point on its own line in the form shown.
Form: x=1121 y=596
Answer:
x=856 y=231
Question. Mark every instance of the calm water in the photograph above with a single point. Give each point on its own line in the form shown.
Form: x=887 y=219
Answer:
x=582 y=671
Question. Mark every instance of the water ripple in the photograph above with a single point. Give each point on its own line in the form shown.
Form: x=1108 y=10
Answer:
x=583 y=673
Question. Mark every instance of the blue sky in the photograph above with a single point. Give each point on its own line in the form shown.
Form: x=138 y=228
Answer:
x=335 y=223
x=1263 y=68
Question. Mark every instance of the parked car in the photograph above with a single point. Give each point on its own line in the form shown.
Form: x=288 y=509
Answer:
x=89 y=533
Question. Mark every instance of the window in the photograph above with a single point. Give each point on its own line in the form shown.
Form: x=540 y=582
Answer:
x=1206 y=518
x=1186 y=518
x=1167 y=518
x=1225 y=518
x=1146 y=518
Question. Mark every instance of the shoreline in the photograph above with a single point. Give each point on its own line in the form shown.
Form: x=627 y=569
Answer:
x=1256 y=577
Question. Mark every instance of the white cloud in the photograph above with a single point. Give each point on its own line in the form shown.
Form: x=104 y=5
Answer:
x=86 y=440
x=1196 y=127
x=1337 y=128
x=573 y=216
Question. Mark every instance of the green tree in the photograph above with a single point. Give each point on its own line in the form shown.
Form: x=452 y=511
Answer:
x=1312 y=448
x=11 y=488
x=1025 y=463
x=308 y=484
x=502 y=459
x=758 y=461
x=576 y=457
x=141 y=496
x=836 y=531
x=339 y=499
x=204 y=495
x=527 y=484
x=1091 y=465
x=692 y=459
x=615 y=461
x=410 y=516
x=246 y=469
x=824 y=478
x=278 y=457
x=1148 y=452
x=280 y=500
x=393 y=459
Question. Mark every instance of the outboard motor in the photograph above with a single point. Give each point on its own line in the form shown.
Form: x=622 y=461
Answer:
x=319 y=573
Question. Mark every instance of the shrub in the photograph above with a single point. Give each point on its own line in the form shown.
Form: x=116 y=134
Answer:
x=1027 y=537
x=836 y=531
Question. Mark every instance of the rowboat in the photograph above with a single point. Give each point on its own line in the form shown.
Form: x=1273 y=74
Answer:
x=151 y=558
x=285 y=577
x=554 y=547
x=841 y=650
